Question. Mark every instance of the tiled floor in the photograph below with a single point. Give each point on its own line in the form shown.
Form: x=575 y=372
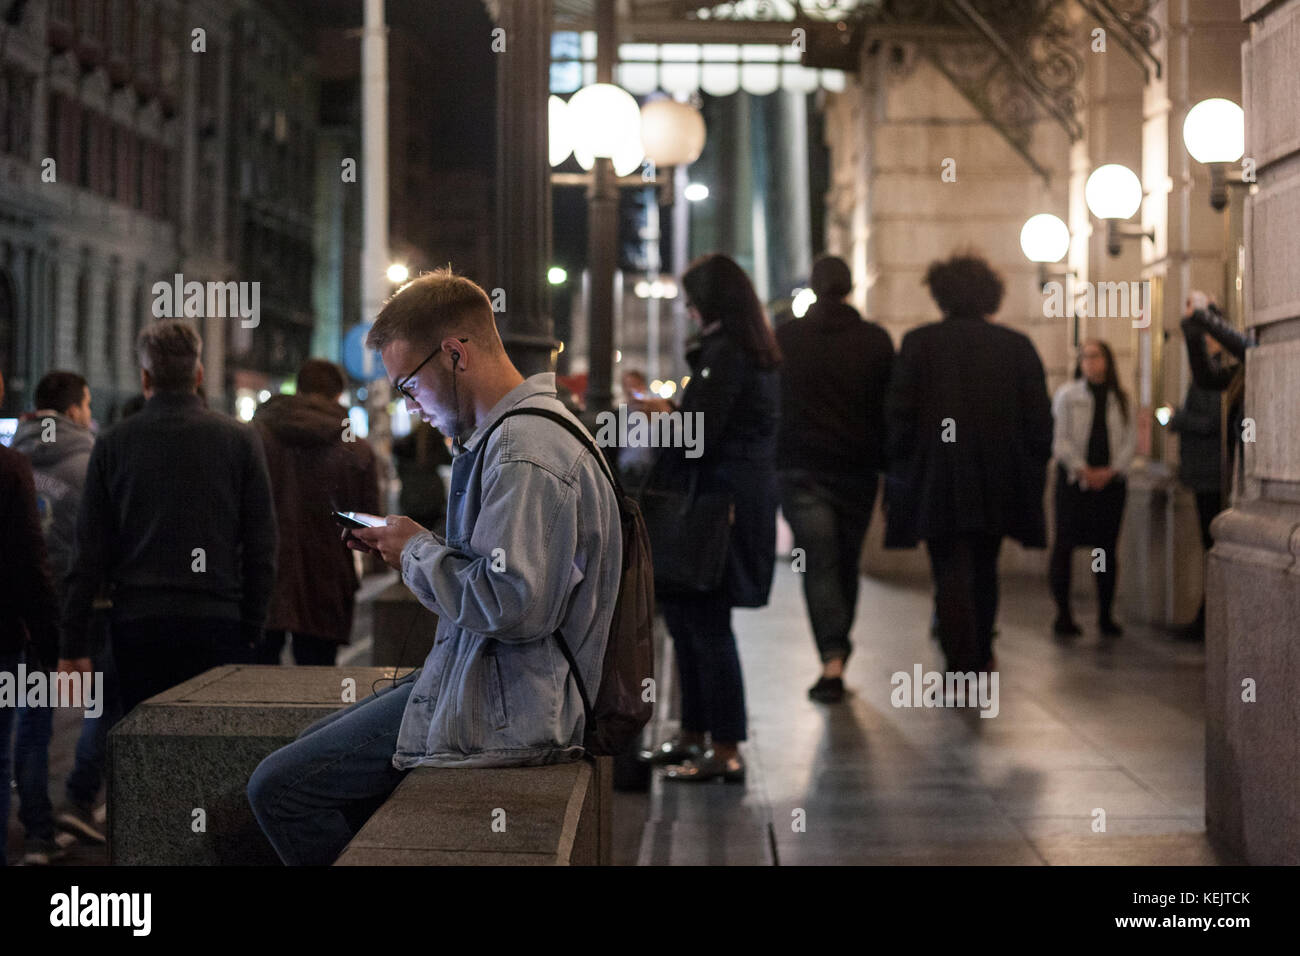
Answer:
x=1079 y=729
x=1095 y=756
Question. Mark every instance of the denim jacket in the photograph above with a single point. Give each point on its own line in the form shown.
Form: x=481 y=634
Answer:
x=533 y=544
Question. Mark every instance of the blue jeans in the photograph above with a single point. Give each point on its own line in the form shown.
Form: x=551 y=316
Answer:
x=92 y=744
x=311 y=797
x=8 y=664
x=34 y=726
x=829 y=516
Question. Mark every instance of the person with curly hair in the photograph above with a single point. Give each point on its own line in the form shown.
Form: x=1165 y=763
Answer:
x=970 y=434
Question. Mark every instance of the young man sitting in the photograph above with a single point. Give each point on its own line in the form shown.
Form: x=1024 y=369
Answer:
x=533 y=544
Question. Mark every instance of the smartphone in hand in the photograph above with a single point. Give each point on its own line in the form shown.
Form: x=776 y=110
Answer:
x=358 y=519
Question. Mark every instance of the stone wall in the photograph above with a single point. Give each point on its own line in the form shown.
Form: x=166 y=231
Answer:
x=1252 y=661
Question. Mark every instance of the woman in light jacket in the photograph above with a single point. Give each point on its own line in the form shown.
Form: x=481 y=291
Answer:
x=1093 y=446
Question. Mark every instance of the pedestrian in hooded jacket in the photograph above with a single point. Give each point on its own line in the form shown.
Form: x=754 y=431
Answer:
x=317 y=465
x=57 y=439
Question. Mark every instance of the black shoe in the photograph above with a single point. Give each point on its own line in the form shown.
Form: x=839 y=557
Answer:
x=827 y=690
x=1064 y=626
x=672 y=751
x=1109 y=628
x=706 y=767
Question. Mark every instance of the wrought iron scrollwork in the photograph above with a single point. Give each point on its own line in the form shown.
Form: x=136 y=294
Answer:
x=1132 y=26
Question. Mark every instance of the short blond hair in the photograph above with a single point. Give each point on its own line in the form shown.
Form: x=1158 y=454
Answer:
x=433 y=305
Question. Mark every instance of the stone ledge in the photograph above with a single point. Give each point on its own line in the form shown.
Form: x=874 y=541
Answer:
x=196 y=745
x=552 y=815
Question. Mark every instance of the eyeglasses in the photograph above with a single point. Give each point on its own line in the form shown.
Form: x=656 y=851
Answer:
x=400 y=384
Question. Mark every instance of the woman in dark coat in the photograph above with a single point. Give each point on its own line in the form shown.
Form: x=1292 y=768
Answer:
x=734 y=387
x=970 y=433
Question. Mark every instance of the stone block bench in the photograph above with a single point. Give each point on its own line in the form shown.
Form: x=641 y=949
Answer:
x=510 y=816
x=179 y=763
x=195 y=746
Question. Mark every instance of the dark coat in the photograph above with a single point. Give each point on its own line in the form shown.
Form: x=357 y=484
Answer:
x=28 y=608
x=314 y=471
x=739 y=401
x=834 y=374
x=1200 y=439
x=988 y=380
x=1220 y=377
x=173 y=477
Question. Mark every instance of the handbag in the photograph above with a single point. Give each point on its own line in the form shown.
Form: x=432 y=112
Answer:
x=689 y=528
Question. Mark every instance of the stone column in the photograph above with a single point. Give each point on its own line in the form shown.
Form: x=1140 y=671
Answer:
x=523 y=224
x=1199 y=49
x=1252 y=657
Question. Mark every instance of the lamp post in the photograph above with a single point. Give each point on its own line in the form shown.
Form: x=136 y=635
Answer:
x=1214 y=132
x=1114 y=193
x=605 y=131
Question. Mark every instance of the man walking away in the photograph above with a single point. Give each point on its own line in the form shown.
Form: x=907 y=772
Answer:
x=970 y=434
x=830 y=448
x=317 y=466
x=177 y=517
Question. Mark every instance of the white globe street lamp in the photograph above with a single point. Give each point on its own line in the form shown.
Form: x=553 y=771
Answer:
x=606 y=122
x=559 y=130
x=1113 y=193
x=671 y=132
x=1214 y=132
x=1045 y=238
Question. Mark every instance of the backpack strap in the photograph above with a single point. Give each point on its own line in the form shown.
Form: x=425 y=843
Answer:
x=590 y=445
x=573 y=430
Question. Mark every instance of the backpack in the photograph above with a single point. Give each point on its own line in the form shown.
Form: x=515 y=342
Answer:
x=618 y=713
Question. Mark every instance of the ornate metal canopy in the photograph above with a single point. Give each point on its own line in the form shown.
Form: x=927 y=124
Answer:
x=1016 y=61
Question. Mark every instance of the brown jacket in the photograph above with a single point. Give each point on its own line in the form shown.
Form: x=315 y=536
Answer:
x=314 y=470
x=27 y=603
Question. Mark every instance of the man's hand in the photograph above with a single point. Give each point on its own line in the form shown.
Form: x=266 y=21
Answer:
x=1095 y=479
x=389 y=541
x=76 y=665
